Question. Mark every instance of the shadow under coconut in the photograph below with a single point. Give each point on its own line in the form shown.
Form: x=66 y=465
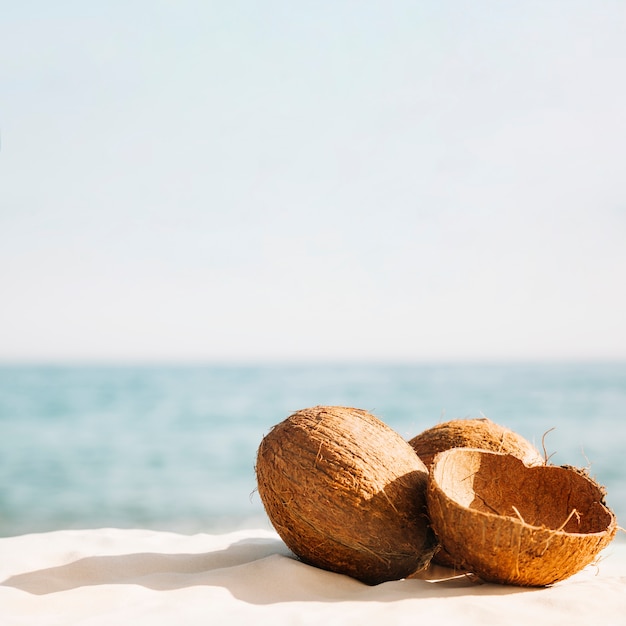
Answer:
x=158 y=571
x=256 y=571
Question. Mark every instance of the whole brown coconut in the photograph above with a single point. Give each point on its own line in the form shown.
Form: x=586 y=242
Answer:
x=473 y=433
x=346 y=493
x=510 y=523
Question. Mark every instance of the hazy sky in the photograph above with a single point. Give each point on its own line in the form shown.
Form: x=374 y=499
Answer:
x=235 y=180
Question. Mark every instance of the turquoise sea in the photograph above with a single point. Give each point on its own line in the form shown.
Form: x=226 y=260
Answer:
x=173 y=447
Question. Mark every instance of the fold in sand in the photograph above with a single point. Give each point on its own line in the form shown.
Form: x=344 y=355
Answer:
x=110 y=576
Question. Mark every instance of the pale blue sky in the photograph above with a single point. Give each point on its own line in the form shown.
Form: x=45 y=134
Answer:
x=312 y=180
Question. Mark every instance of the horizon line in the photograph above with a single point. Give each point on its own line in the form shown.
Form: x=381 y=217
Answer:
x=304 y=361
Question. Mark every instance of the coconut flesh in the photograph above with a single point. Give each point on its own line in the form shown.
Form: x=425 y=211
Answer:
x=473 y=433
x=510 y=523
x=346 y=493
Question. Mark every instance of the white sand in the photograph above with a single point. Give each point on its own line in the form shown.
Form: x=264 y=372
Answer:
x=120 y=577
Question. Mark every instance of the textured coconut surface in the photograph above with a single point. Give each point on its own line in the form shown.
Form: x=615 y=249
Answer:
x=346 y=493
x=511 y=523
x=474 y=433
x=471 y=433
x=100 y=577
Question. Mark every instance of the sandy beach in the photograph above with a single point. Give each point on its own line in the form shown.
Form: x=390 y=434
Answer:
x=115 y=576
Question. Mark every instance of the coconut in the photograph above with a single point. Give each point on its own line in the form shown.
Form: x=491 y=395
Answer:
x=511 y=523
x=346 y=493
x=473 y=433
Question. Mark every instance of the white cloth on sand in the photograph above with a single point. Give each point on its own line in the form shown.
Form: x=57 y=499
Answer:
x=114 y=576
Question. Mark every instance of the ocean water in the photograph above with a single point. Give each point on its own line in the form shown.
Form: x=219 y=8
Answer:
x=173 y=447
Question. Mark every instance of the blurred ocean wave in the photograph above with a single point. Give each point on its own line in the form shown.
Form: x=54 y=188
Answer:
x=173 y=447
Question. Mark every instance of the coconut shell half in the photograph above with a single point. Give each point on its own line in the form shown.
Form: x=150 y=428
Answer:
x=510 y=523
x=346 y=493
x=473 y=433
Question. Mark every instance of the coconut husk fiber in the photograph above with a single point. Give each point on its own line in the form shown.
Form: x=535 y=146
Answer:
x=473 y=433
x=510 y=523
x=346 y=493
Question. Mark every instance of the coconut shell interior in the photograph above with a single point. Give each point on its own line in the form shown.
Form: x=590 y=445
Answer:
x=508 y=522
x=548 y=497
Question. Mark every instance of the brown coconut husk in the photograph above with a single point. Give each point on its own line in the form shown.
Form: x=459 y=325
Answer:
x=510 y=523
x=346 y=493
x=479 y=433
x=471 y=433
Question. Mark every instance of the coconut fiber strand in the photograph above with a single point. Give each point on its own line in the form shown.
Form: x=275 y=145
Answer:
x=346 y=493
x=510 y=523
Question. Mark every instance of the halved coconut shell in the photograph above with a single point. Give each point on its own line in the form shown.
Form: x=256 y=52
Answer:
x=346 y=493
x=473 y=433
x=510 y=523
